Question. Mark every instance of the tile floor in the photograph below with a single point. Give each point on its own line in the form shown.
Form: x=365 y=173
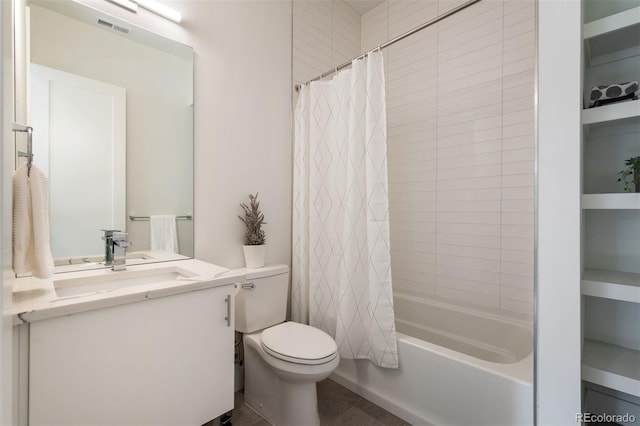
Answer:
x=338 y=406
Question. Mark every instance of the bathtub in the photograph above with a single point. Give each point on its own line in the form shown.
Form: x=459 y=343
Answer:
x=457 y=367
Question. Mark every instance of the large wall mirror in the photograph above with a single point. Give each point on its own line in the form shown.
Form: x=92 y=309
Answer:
x=112 y=109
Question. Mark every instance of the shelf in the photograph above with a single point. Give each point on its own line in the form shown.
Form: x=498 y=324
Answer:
x=612 y=38
x=612 y=23
x=618 y=111
x=622 y=201
x=615 y=285
x=612 y=366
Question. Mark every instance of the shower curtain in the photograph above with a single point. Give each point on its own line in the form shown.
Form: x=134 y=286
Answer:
x=341 y=266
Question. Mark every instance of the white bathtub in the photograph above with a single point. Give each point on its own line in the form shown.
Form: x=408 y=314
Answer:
x=461 y=367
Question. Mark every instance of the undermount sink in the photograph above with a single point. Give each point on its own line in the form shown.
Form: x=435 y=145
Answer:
x=110 y=281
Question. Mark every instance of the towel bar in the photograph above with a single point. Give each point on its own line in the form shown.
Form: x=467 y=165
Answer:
x=143 y=218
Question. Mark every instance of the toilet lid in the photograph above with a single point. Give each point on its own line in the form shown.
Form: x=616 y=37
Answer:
x=299 y=343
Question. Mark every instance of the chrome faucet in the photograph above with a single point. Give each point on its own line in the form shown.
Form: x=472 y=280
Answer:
x=108 y=245
x=120 y=245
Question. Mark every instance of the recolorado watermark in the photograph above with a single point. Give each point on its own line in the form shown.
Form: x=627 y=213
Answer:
x=605 y=418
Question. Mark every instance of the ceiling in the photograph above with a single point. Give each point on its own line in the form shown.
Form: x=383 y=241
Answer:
x=362 y=6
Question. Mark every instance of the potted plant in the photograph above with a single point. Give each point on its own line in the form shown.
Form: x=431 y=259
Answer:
x=631 y=174
x=254 y=238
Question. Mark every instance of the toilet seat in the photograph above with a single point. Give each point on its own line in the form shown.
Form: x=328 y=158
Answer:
x=299 y=344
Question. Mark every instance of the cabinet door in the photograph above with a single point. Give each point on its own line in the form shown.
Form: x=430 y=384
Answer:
x=162 y=361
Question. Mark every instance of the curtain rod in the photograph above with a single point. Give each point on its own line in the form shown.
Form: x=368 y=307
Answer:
x=393 y=41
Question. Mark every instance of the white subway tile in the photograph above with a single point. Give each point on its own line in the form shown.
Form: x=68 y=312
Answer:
x=492 y=230
x=517 y=218
x=468 y=283
x=517 y=168
x=518 y=206
x=519 y=66
x=466 y=273
x=470 y=82
x=519 y=193
x=415 y=246
x=519 y=154
x=470 y=115
x=516 y=29
x=472 y=126
x=469 y=137
x=512 y=243
x=411 y=236
x=419 y=288
x=520 y=15
x=515 y=268
x=424 y=267
x=469 y=240
x=465 y=251
x=454 y=51
x=466 y=217
x=490 y=158
x=468 y=297
x=519 y=181
x=520 y=41
x=470 y=172
x=510 y=280
x=469 y=149
x=515 y=306
x=469 y=183
x=469 y=194
x=519 y=256
x=477 y=265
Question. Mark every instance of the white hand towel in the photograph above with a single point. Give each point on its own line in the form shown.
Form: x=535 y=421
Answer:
x=164 y=233
x=31 y=233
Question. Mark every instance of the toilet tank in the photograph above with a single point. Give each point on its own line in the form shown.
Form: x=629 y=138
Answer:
x=261 y=300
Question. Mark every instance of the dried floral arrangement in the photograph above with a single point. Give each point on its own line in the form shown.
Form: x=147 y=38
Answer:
x=253 y=220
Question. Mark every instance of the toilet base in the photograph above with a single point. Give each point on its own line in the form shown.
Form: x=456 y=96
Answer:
x=281 y=397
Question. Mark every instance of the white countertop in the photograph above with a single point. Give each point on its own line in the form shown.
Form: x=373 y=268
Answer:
x=36 y=299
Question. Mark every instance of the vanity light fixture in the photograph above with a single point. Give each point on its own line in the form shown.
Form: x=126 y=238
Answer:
x=127 y=4
x=152 y=6
x=160 y=9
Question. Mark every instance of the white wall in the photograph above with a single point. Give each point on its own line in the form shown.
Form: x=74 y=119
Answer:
x=558 y=266
x=460 y=111
x=242 y=117
x=6 y=160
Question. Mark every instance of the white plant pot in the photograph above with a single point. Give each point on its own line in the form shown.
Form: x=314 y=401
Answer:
x=254 y=255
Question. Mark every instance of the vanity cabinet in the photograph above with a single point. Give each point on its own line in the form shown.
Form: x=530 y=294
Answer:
x=167 y=360
x=611 y=217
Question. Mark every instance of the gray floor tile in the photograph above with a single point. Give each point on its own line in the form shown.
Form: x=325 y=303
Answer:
x=337 y=406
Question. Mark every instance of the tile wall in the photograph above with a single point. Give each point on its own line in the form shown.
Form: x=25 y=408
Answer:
x=460 y=99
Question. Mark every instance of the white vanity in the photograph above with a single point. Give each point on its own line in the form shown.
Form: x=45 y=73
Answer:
x=151 y=345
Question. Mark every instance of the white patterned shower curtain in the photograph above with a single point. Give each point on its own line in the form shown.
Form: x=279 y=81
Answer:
x=341 y=267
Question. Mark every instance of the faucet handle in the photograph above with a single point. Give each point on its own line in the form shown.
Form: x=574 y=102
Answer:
x=108 y=233
x=120 y=239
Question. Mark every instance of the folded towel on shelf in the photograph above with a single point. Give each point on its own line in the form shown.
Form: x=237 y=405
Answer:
x=31 y=233
x=603 y=95
x=164 y=233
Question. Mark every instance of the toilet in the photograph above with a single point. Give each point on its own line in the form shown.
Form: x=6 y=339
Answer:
x=283 y=361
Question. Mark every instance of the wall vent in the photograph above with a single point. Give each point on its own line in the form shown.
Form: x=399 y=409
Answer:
x=105 y=23
x=121 y=29
x=113 y=26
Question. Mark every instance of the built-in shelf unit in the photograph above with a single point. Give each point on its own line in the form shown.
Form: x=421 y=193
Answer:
x=611 y=217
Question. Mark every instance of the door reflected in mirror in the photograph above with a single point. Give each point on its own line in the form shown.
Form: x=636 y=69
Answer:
x=112 y=109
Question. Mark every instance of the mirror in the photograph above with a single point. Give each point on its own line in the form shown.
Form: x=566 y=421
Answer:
x=112 y=109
